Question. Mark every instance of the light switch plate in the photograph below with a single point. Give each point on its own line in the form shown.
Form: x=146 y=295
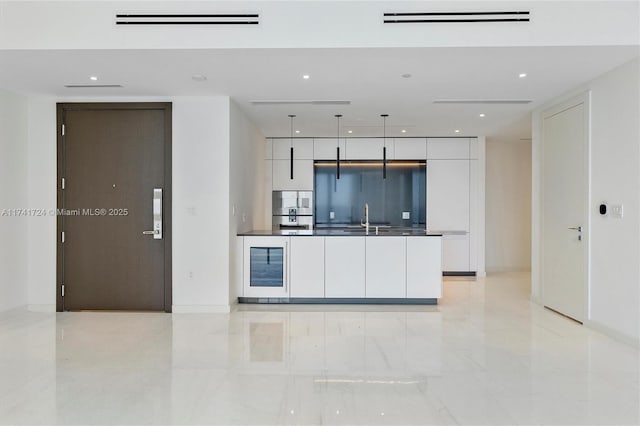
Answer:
x=617 y=211
x=332 y=215
x=406 y=215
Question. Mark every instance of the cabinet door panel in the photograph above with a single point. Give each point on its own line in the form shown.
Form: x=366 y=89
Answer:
x=302 y=149
x=386 y=267
x=368 y=148
x=345 y=267
x=424 y=267
x=302 y=175
x=410 y=148
x=448 y=195
x=325 y=149
x=448 y=148
x=455 y=253
x=307 y=267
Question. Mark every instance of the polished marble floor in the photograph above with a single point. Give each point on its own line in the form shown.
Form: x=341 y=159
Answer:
x=484 y=356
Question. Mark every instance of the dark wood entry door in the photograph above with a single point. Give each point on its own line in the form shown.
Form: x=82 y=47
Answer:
x=112 y=158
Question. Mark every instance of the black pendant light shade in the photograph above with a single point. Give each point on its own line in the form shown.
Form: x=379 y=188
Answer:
x=384 y=147
x=291 y=117
x=338 y=148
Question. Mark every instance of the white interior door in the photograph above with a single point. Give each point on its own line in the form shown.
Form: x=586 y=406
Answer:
x=564 y=212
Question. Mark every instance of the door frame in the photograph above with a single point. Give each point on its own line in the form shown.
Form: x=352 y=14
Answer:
x=61 y=108
x=584 y=99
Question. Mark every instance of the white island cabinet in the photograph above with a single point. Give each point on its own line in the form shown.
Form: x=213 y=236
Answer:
x=307 y=267
x=327 y=268
x=344 y=267
x=424 y=267
x=386 y=267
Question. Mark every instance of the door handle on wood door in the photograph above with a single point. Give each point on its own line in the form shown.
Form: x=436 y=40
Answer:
x=157 y=215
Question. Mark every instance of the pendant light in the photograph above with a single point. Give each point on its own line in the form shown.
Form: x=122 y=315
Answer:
x=338 y=148
x=291 y=117
x=384 y=147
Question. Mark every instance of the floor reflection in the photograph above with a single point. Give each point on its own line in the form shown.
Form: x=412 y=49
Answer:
x=485 y=355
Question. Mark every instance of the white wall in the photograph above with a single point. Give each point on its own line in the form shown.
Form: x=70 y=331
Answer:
x=614 y=286
x=13 y=190
x=246 y=194
x=200 y=195
x=508 y=206
x=200 y=204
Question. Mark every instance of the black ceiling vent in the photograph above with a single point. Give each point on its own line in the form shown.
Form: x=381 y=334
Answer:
x=187 y=19
x=454 y=17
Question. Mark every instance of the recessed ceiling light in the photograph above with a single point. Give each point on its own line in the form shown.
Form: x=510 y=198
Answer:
x=297 y=131
x=522 y=75
x=306 y=76
x=349 y=131
x=481 y=114
x=457 y=131
x=407 y=75
x=93 y=78
x=403 y=131
x=199 y=77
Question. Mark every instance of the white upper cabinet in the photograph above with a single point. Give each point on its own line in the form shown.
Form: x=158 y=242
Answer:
x=368 y=149
x=302 y=175
x=325 y=149
x=447 y=148
x=473 y=148
x=268 y=149
x=448 y=195
x=410 y=148
x=302 y=149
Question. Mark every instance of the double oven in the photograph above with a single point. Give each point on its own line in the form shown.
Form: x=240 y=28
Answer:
x=292 y=210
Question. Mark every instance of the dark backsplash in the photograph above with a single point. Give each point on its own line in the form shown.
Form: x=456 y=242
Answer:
x=404 y=190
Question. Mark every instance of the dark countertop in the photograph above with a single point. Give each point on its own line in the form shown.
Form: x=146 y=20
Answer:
x=328 y=232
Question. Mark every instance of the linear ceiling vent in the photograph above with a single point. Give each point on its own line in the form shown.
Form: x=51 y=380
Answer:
x=484 y=101
x=91 y=86
x=329 y=102
x=454 y=17
x=187 y=19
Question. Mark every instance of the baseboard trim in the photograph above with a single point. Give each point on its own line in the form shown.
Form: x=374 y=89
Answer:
x=616 y=335
x=49 y=307
x=338 y=300
x=201 y=309
x=458 y=274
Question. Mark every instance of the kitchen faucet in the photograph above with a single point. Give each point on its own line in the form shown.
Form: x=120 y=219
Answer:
x=366 y=219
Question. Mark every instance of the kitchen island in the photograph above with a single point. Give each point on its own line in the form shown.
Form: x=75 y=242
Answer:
x=394 y=266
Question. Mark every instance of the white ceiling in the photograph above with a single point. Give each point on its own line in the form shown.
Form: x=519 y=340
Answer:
x=369 y=78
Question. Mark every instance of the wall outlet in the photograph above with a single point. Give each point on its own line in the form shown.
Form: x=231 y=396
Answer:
x=332 y=215
x=406 y=215
x=617 y=211
x=191 y=211
x=190 y=275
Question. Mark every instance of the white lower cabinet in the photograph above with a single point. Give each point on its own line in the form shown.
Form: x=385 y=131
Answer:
x=455 y=253
x=386 y=267
x=344 y=267
x=424 y=267
x=307 y=267
x=380 y=267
